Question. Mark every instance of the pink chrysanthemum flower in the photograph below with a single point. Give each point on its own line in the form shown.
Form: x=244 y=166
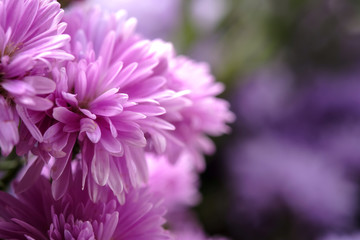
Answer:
x=106 y=101
x=177 y=183
x=202 y=114
x=207 y=115
x=9 y=123
x=35 y=214
x=30 y=38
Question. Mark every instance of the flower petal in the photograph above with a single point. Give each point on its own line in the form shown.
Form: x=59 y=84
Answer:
x=91 y=128
x=100 y=167
x=24 y=115
x=42 y=85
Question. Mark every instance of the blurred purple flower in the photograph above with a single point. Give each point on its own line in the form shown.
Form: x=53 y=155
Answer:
x=263 y=97
x=177 y=183
x=29 y=44
x=269 y=169
x=303 y=154
x=327 y=115
x=35 y=214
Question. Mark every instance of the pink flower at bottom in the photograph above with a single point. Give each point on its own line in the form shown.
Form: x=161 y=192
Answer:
x=35 y=214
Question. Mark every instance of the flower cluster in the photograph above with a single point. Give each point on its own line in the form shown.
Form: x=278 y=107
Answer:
x=75 y=216
x=106 y=120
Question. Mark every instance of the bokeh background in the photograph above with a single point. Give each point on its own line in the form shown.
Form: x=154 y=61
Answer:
x=290 y=169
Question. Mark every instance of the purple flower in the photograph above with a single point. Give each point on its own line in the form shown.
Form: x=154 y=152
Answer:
x=177 y=183
x=207 y=114
x=200 y=114
x=327 y=115
x=35 y=214
x=110 y=105
x=30 y=41
x=106 y=101
x=302 y=159
x=262 y=99
x=269 y=169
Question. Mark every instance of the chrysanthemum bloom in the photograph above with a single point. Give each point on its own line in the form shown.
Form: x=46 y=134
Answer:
x=207 y=115
x=202 y=114
x=30 y=38
x=35 y=214
x=106 y=102
x=177 y=183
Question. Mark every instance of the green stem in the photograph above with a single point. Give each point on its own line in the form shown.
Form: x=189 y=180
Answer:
x=12 y=165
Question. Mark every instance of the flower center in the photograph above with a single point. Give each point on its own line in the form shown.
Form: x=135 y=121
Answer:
x=11 y=48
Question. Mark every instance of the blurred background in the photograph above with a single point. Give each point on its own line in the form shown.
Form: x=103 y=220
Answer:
x=290 y=169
